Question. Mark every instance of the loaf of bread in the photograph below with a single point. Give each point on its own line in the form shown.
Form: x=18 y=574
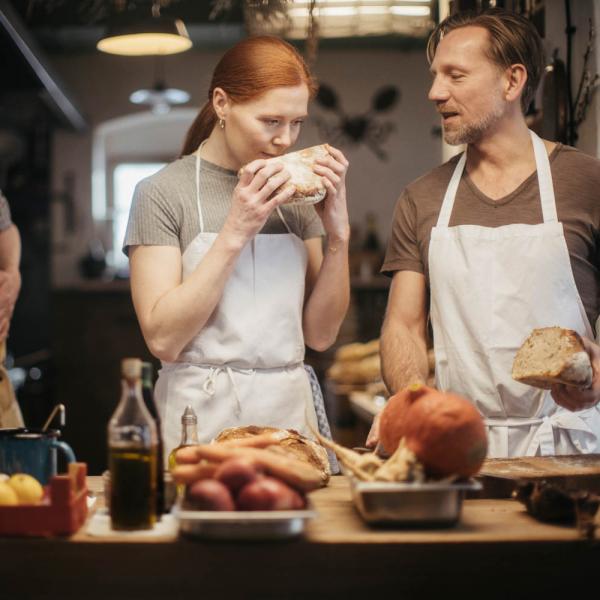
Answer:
x=362 y=371
x=356 y=350
x=552 y=355
x=309 y=186
x=288 y=441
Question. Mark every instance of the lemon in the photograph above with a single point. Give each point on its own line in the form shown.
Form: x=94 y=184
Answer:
x=8 y=496
x=28 y=489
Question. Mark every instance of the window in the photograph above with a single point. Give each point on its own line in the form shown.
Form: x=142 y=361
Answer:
x=125 y=177
x=126 y=150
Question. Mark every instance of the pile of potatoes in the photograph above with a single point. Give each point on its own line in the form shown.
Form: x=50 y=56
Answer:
x=240 y=484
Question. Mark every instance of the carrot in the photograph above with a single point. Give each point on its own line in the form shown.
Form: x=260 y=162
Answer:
x=287 y=468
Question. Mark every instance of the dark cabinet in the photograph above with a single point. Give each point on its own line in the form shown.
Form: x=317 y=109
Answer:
x=94 y=327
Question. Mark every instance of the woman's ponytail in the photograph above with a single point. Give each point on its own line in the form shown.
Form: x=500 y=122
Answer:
x=200 y=129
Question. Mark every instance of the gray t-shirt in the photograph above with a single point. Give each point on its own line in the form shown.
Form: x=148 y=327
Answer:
x=5 y=219
x=164 y=209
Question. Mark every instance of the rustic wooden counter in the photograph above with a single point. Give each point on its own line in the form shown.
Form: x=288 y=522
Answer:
x=496 y=549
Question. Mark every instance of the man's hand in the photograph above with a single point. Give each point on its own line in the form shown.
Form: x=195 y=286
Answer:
x=373 y=437
x=574 y=398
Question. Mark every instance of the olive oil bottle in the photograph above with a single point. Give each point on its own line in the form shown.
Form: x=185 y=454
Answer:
x=189 y=437
x=148 y=396
x=132 y=455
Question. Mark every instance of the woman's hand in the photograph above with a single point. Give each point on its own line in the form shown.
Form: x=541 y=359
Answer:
x=573 y=398
x=333 y=210
x=254 y=199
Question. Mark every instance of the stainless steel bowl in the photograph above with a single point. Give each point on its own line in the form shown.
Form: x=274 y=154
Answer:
x=413 y=504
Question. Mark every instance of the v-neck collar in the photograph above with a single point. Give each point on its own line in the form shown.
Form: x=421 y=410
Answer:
x=532 y=179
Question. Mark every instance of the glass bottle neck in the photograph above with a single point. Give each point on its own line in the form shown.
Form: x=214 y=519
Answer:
x=131 y=420
x=132 y=390
x=189 y=434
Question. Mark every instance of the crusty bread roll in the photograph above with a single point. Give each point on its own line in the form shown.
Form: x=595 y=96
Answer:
x=289 y=440
x=552 y=355
x=356 y=350
x=309 y=186
x=366 y=370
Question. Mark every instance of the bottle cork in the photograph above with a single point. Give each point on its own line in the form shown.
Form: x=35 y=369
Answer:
x=131 y=368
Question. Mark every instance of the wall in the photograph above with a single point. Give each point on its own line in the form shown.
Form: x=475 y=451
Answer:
x=103 y=84
x=596 y=101
x=581 y=13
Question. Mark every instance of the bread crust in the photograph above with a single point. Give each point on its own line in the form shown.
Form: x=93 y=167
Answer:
x=553 y=355
x=289 y=440
x=309 y=187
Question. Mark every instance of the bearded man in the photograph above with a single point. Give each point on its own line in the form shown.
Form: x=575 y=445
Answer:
x=499 y=240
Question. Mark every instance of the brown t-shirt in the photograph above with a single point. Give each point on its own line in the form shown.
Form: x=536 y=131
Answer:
x=576 y=179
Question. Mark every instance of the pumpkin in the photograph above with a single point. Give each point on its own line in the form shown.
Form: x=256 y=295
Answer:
x=393 y=417
x=444 y=430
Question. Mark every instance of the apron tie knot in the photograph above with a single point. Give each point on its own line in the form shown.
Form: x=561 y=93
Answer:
x=210 y=382
x=582 y=436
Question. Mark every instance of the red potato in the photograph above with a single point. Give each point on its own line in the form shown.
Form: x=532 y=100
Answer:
x=208 y=494
x=268 y=493
x=235 y=473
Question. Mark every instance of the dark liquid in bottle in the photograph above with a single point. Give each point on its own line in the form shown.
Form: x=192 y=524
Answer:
x=132 y=487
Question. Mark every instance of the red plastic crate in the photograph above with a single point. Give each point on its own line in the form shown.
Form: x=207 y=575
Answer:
x=62 y=511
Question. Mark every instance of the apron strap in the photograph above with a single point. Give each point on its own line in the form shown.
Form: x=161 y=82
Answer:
x=200 y=218
x=284 y=221
x=544 y=175
x=448 y=203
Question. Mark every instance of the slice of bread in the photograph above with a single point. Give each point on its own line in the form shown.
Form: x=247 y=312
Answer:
x=552 y=355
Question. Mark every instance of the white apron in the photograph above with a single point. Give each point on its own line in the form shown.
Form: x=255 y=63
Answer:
x=246 y=365
x=490 y=286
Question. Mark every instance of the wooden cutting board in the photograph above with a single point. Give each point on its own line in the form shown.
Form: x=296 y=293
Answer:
x=499 y=476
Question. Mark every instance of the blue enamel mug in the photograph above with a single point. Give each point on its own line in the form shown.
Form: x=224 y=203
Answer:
x=32 y=452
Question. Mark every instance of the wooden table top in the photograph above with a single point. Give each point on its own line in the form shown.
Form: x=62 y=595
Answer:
x=337 y=522
x=495 y=550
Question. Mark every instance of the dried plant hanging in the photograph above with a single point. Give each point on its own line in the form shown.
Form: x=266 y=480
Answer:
x=588 y=83
x=312 y=35
x=271 y=17
x=266 y=17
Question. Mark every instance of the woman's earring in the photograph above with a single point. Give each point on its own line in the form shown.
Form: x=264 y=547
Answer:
x=222 y=123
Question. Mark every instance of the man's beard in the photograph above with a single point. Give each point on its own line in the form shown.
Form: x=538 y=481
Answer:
x=472 y=132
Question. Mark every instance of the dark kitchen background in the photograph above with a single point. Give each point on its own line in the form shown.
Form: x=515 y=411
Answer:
x=71 y=141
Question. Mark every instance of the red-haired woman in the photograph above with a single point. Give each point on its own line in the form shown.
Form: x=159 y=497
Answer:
x=228 y=284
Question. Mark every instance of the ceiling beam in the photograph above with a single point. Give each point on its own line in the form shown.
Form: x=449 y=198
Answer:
x=62 y=105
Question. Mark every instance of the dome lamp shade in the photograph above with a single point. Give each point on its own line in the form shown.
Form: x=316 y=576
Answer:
x=159 y=35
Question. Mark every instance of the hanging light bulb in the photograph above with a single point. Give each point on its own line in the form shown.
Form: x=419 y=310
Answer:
x=159 y=98
x=154 y=35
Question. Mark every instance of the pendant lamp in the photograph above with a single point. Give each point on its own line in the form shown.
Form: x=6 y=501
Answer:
x=154 y=35
x=159 y=97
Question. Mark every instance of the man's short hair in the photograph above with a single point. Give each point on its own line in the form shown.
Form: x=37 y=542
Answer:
x=513 y=40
